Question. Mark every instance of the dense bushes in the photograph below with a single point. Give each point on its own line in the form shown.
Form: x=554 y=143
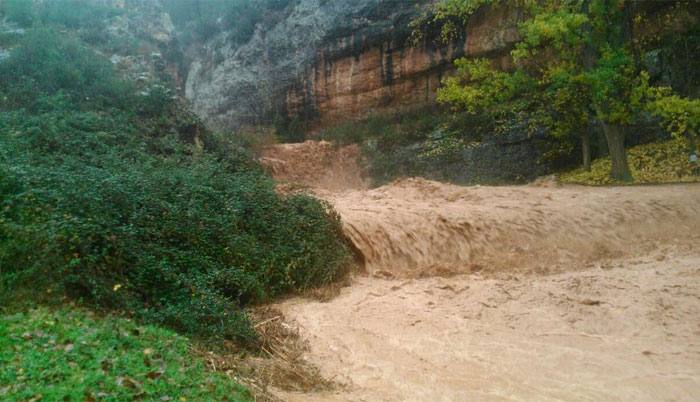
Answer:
x=207 y=18
x=68 y=13
x=428 y=142
x=391 y=144
x=47 y=65
x=18 y=11
x=101 y=198
x=658 y=162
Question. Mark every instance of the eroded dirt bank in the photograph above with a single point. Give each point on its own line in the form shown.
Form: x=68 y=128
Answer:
x=506 y=293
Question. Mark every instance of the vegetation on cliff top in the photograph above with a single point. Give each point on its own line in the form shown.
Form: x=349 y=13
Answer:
x=206 y=18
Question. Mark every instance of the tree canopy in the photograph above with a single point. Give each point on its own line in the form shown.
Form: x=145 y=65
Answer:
x=576 y=64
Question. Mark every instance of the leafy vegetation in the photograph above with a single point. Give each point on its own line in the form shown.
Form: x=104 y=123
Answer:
x=681 y=115
x=428 y=142
x=659 y=162
x=18 y=11
x=575 y=64
x=71 y=355
x=447 y=19
x=391 y=144
x=107 y=195
x=207 y=18
x=85 y=17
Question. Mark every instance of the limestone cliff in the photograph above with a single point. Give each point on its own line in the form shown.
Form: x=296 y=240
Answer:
x=329 y=61
x=319 y=62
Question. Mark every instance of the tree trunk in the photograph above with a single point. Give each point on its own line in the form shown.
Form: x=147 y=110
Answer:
x=695 y=168
x=586 y=148
x=589 y=57
x=615 y=137
x=692 y=143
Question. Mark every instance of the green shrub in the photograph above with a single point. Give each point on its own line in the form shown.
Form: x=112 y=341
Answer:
x=20 y=12
x=409 y=143
x=76 y=14
x=48 y=63
x=292 y=131
x=207 y=18
x=101 y=198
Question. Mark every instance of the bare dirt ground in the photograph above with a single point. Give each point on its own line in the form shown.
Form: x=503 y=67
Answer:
x=529 y=293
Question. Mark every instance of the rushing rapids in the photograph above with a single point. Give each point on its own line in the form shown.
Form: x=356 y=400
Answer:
x=537 y=292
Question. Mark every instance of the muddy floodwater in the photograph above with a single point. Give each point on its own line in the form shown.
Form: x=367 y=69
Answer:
x=523 y=293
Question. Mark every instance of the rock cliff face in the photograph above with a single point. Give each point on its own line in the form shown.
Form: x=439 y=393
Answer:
x=323 y=62
x=330 y=61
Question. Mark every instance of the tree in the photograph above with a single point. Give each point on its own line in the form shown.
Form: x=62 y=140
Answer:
x=574 y=63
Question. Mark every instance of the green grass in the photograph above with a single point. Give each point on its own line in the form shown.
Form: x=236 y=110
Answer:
x=68 y=354
x=659 y=162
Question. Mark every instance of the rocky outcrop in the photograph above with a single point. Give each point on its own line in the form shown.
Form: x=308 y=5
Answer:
x=330 y=61
x=157 y=56
x=390 y=75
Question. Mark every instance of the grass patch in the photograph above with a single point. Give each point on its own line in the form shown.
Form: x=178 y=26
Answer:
x=659 y=162
x=70 y=355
